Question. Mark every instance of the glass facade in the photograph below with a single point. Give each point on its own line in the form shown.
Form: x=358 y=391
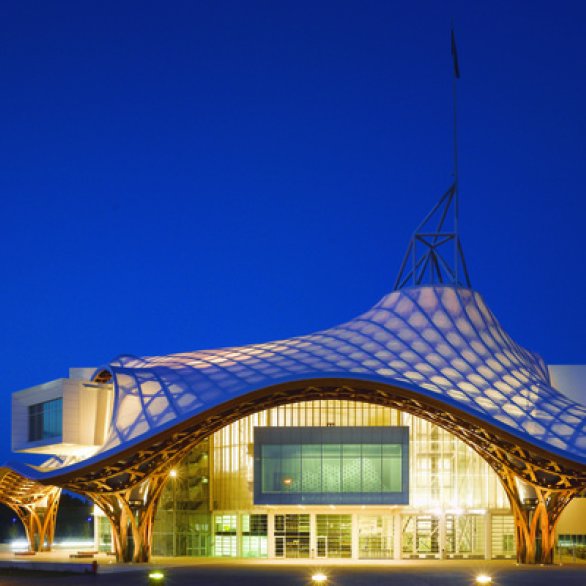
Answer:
x=45 y=420
x=325 y=465
x=103 y=533
x=503 y=536
x=572 y=547
x=456 y=508
x=465 y=536
x=255 y=536
x=183 y=522
x=420 y=535
x=333 y=536
x=375 y=537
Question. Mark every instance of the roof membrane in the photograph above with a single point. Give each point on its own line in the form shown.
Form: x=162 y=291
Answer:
x=441 y=341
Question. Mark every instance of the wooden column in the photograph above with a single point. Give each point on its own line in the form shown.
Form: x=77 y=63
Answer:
x=38 y=519
x=131 y=514
x=536 y=511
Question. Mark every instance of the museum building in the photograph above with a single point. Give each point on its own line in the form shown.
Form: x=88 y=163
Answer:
x=419 y=429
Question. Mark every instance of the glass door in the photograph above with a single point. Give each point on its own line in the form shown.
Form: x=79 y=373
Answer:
x=292 y=536
x=375 y=537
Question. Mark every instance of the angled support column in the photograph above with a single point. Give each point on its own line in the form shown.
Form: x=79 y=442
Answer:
x=131 y=514
x=536 y=511
x=39 y=519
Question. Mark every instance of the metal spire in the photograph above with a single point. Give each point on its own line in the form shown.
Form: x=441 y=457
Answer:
x=455 y=79
x=427 y=258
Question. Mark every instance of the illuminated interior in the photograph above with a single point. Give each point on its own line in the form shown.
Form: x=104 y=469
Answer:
x=456 y=507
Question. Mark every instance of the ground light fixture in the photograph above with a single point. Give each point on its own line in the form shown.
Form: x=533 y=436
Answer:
x=483 y=579
x=319 y=578
x=156 y=578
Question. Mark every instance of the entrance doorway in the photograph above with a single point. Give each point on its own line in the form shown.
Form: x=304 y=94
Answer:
x=421 y=536
x=292 y=536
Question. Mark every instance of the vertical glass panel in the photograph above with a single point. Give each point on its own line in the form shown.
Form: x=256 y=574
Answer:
x=465 y=536
x=271 y=472
x=503 y=536
x=331 y=468
x=292 y=536
x=312 y=470
x=334 y=536
x=183 y=524
x=420 y=536
x=371 y=468
x=375 y=537
x=443 y=471
x=391 y=468
x=351 y=468
x=254 y=536
x=290 y=480
x=225 y=544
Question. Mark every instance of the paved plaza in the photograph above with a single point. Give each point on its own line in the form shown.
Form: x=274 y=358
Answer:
x=255 y=573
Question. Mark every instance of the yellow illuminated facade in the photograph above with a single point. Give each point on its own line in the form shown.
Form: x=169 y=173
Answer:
x=457 y=507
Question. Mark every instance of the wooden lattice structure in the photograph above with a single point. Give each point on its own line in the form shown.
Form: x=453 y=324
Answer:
x=34 y=503
x=127 y=487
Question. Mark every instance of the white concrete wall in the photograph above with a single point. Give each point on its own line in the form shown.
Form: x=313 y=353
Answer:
x=87 y=410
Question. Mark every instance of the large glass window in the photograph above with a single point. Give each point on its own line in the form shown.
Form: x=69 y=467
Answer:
x=375 y=537
x=443 y=471
x=334 y=536
x=420 y=536
x=183 y=522
x=333 y=466
x=465 y=536
x=503 y=536
x=45 y=420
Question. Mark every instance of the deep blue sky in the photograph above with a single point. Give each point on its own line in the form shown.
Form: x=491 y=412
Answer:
x=185 y=175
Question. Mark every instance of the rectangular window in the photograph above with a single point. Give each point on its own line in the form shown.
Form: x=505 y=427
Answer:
x=45 y=420
x=325 y=465
x=254 y=536
x=292 y=536
x=225 y=536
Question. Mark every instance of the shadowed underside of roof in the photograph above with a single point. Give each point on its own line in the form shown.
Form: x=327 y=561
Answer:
x=18 y=490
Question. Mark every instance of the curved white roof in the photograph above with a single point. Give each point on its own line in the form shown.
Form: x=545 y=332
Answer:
x=441 y=341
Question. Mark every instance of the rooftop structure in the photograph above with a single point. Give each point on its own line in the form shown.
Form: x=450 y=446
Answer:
x=432 y=350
